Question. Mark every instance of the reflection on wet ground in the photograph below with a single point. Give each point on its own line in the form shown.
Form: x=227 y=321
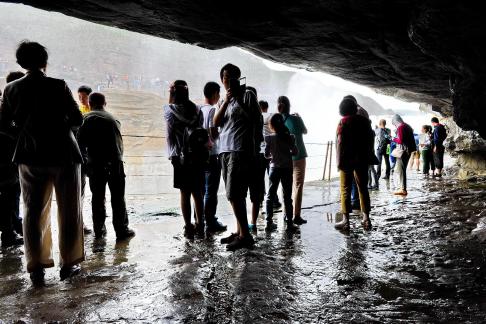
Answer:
x=423 y=261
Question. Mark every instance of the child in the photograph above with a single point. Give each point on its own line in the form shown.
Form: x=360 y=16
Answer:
x=279 y=148
x=425 y=145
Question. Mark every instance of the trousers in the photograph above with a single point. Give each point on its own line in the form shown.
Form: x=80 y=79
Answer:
x=401 y=170
x=211 y=186
x=276 y=176
x=298 y=184
x=38 y=184
x=360 y=176
x=112 y=174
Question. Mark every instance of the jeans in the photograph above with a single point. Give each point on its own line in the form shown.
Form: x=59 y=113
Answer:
x=211 y=186
x=372 y=177
x=354 y=195
x=401 y=170
x=276 y=176
x=382 y=156
x=360 y=176
x=112 y=174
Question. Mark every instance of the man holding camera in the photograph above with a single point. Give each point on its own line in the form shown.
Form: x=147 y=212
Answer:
x=237 y=117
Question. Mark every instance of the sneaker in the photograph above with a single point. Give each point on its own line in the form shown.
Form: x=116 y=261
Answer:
x=68 y=272
x=271 y=227
x=37 y=277
x=252 y=228
x=13 y=239
x=240 y=243
x=215 y=226
x=342 y=225
x=126 y=234
x=189 y=231
x=291 y=227
x=299 y=220
x=229 y=239
x=400 y=192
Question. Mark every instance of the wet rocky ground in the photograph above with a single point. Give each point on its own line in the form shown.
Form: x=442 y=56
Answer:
x=424 y=261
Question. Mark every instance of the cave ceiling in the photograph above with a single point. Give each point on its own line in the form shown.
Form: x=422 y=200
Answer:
x=424 y=51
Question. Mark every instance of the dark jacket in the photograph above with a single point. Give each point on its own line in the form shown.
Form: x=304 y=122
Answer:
x=40 y=113
x=355 y=140
x=9 y=173
x=439 y=135
x=100 y=139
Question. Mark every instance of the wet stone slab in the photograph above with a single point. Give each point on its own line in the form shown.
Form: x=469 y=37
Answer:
x=423 y=261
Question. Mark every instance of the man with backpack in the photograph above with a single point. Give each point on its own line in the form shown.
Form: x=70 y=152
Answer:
x=382 y=140
x=188 y=153
x=237 y=117
x=438 y=137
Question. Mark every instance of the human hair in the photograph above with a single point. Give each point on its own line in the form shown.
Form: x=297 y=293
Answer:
x=352 y=98
x=278 y=125
x=263 y=105
x=428 y=129
x=96 y=100
x=434 y=120
x=85 y=89
x=15 y=75
x=31 y=55
x=232 y=70
x=210 y=89
x=348 y=107
x=382 y=122
x=179 y=92
x=283 y=105
x=252 y=89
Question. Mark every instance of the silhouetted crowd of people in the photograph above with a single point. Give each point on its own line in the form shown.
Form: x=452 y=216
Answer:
x=236 y=138
x=49 y=145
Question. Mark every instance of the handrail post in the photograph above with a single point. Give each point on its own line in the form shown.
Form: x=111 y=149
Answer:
x=330 y=163
x=325 y=163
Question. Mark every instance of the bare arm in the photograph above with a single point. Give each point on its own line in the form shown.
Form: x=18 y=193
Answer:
x=219 y=115
x=304 y=129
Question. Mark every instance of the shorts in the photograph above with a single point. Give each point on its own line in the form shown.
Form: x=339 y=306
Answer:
x=187 y=177
x=235 y=168
x=257 y=178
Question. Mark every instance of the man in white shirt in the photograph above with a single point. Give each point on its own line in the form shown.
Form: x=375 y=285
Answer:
x=213 y=169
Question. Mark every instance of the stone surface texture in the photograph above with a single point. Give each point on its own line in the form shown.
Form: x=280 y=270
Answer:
x=422 y=50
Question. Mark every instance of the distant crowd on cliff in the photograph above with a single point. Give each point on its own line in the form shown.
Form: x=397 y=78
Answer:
x=50 y=144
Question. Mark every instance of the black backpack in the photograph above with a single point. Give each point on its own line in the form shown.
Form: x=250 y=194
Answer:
x=196 y=146
x=383 y=140
x=196 y=143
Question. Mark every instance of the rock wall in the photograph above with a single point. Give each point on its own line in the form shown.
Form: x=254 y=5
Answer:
x=468 y=148
x=422 y=50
